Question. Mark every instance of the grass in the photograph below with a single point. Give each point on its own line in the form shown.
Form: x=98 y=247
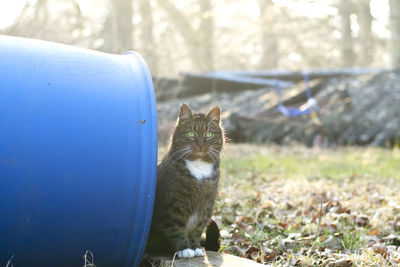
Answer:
x=310 y=207
x=302 y=162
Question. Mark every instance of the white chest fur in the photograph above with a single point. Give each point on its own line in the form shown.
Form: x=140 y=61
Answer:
x=199 y=168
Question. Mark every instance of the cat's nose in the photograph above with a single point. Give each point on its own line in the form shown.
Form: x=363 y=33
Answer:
x=204 y=149
x=200 y=142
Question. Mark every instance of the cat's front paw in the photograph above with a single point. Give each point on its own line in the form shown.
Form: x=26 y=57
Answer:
x=198 y=252
x=186 y=253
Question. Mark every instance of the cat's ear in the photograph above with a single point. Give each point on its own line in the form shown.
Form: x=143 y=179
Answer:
x=185 y=112
x=214 y=114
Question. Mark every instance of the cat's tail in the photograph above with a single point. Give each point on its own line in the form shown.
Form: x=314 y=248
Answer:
x=212 y=242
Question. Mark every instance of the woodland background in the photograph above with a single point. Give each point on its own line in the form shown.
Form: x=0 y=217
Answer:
x=206 y=35
x=181 y=37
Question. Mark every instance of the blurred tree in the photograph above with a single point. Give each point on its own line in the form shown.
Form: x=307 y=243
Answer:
x=269 y=41
x=201 y=35
x=34 y=15
x=395 y=32
x=198 y=41
x=345 y=8
x=148 y=48
x=38 y=20
x=118 y=27
x=365 y=33
x=206 y=32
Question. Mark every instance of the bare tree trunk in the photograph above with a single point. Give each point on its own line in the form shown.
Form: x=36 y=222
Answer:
x=395 y=31
x=345 y=10
x=269 y=43
x=146 y=36
x=198 y=41
x=206 y=33
x=365 y=36
x=37 y=22
x=118 y=28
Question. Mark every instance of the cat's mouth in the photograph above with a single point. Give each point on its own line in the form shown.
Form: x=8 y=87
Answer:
x=202 y=153
x=199 y=155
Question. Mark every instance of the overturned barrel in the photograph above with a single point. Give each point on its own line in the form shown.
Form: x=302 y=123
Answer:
x=78 y=154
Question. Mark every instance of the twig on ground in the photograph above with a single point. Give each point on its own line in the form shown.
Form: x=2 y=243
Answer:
x=173 y=259
x=319 y=219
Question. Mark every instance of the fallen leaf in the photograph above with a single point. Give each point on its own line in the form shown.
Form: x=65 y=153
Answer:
x=254 y=255
x=373 y=232
x=294 y=262
x=244 y=220
x=380 y=248
x=237 y=238
x=343 y=210
x=288 y=243
x=316 y=216
x=332 y=243
x=289 y=205
x=340 y=263
x=294 y=226
x=256 y=200
x=393 y=239
x=252 y=249
x=252 y=252
x=307 y=240
x=268 y=204
x=261 y=214
x=269 y=227
x=361 y=220
x=370 y=239
x=283 y=224
x=269 y=254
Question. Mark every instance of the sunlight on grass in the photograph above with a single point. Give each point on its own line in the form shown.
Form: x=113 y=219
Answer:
x=270 y=200
x=330 y=163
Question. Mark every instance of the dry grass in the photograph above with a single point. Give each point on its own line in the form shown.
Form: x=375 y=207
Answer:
x=311 y=207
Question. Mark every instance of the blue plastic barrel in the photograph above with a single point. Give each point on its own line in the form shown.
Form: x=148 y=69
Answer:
x=78 y=154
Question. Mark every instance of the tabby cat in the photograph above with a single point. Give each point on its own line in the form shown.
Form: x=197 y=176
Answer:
x=187 y=181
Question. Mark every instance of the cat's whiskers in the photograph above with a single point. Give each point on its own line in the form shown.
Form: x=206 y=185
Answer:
x=226 y=159
x=214 y=153
x=183 y=155
x=213 y=156
x=178 y=154
x=218 y=155
x=179 y=149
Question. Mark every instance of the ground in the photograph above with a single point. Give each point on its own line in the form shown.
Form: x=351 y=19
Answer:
x=293 y=205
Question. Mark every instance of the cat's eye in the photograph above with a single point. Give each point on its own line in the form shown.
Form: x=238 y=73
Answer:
x=190 y=135
x=209 y=134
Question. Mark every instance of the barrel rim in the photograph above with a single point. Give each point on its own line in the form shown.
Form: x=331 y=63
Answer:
x=133 y=56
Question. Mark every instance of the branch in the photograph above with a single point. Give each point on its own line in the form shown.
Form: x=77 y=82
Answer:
x=179 y=20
